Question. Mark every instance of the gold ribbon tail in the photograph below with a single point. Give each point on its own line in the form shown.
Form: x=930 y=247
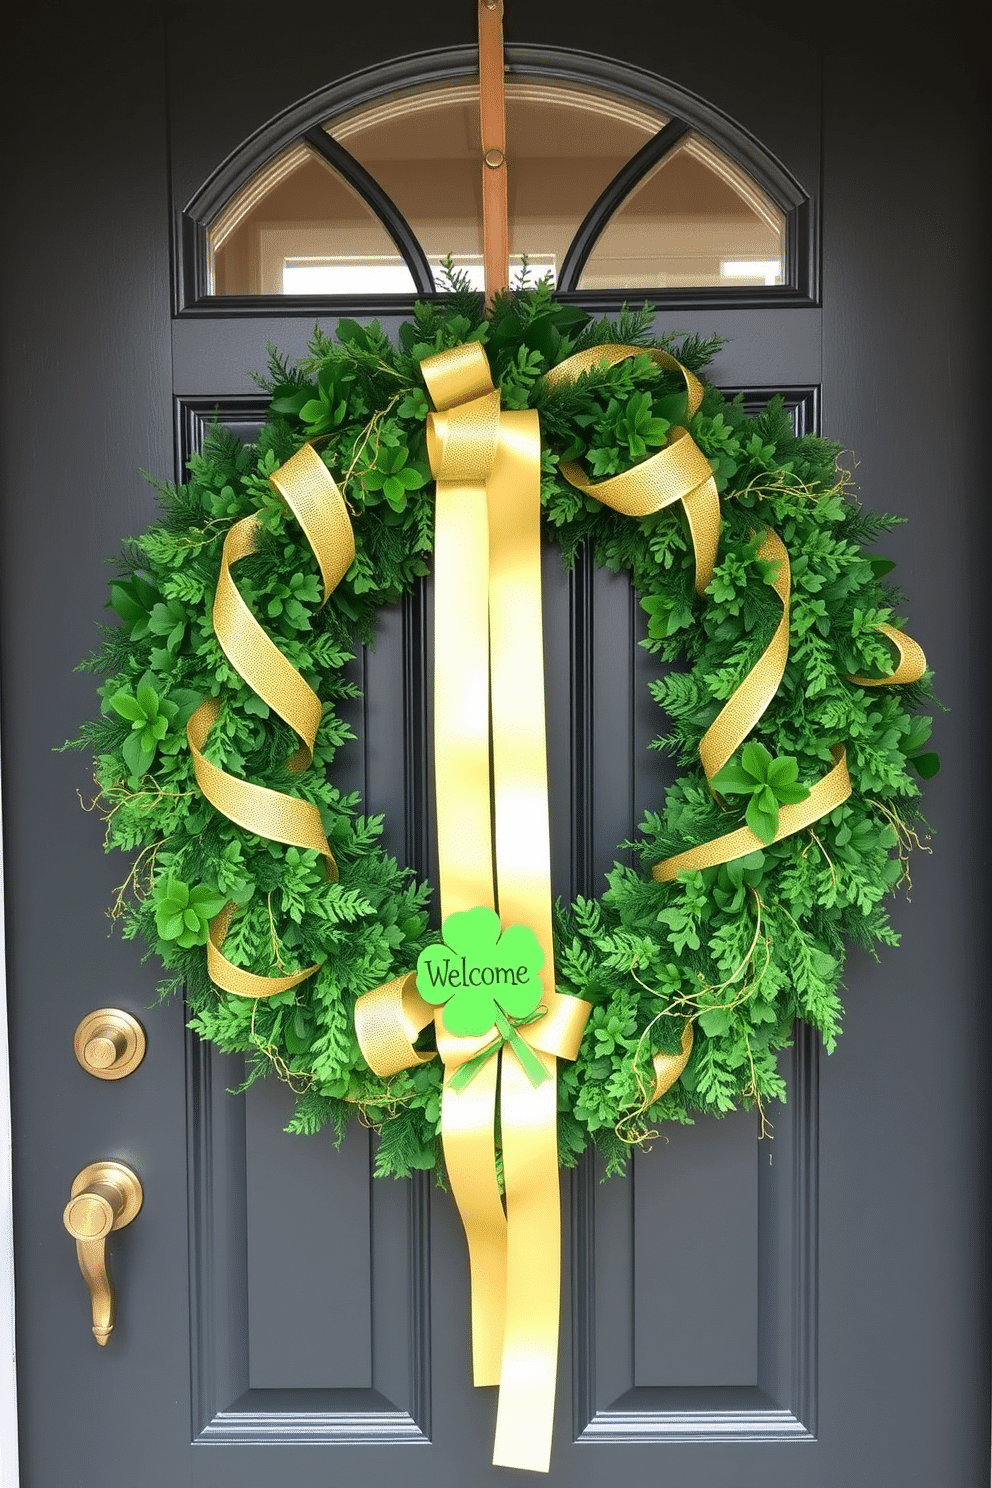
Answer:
x=529 y=1130
x=668 y=1067
x=488 y=641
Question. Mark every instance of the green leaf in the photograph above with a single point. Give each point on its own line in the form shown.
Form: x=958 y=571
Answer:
x=148 y=701
x=790 y=795
x=206 y=902
x=734 y=780
x=176 y=892
x=352 y=334
x=136 y=756
x=756 y=760
x=169 y=925
x=126 y=605
x=926 y=765
x=783 y=771
x=714 y=1021
x=128 y=707
x=761 y=817
x=289 y=400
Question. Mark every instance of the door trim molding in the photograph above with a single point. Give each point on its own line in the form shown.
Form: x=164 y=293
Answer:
x=741 y=1413
x=9 y=1471
x=226 y=1409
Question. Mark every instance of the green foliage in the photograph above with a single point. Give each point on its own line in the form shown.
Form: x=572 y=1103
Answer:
x=183 y=914
x=742 y=949
x=767 y=783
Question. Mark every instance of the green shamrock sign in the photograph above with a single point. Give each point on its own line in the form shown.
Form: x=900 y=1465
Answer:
x=485 y=977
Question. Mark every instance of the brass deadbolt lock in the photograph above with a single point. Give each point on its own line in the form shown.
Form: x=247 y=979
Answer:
x=109 y=1043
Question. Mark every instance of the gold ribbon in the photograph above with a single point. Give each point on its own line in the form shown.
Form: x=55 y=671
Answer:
x=679 y=472
x=489 y=675
x=488 y=628
x=748 y=702
x=314 y=499
x=910 y=667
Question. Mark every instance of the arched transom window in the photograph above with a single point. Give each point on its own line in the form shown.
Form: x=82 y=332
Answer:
x=608 y=193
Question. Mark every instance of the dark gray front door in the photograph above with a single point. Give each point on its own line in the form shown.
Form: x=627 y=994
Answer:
x=805 y=1313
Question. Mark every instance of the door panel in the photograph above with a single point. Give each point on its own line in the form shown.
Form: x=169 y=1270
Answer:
x=735 y=1313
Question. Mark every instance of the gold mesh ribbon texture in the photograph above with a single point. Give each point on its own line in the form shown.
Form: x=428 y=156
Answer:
x=314 y=499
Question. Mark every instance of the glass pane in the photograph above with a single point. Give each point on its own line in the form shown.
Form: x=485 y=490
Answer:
x=564 y=144
x=298 y=228
x=695 y=219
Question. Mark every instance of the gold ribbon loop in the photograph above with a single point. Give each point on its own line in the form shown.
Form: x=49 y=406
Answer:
x=306 y=486
x=668 y=1067
x=827 y=794
x=457 y=376
x=607 y=355
x=314 y=499
x=671 y=475
x=388 y=1021
x=745 y=707
x=255 y=657
x=462 y=442
x=230 y=978
x=680 y=472
x=911 y=665
x=257 y=809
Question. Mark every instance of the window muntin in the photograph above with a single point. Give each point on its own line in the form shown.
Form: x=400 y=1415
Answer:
x=695 y=219
x=297 y=227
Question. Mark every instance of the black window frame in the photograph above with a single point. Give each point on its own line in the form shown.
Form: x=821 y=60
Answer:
x=686 y=113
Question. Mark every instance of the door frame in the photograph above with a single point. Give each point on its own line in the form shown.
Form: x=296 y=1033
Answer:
x=9 y=1471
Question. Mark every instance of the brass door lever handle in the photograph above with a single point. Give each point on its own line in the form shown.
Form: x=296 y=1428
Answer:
x=105 y=1196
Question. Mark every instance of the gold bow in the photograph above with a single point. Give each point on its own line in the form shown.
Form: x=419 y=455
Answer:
x=489 y=673
x=488 y=643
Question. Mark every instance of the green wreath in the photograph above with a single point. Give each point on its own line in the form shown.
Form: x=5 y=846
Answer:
x=741 y=949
